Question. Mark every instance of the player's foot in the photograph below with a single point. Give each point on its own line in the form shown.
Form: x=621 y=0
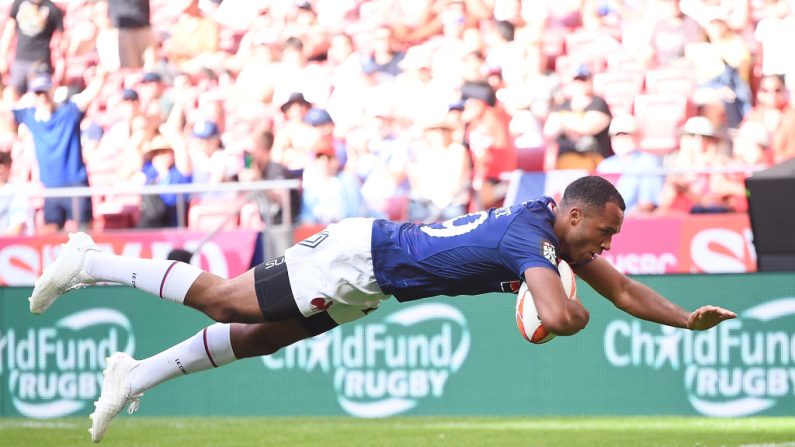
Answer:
x=64 y=275
x=115 y=394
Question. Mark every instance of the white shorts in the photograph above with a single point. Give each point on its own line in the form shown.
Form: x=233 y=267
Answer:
x=330 y=275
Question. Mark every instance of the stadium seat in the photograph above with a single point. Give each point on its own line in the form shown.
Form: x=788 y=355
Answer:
x=618 y=89
x=397 y=208
x=626 y=60
x=659 y=118
x=250 y=217
x=530 y=159
x=209 y=215
x=669 y=82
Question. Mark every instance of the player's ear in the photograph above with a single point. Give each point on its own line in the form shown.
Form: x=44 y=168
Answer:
x=575 y=215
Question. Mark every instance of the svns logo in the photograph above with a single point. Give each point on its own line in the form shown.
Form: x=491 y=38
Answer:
x=387 y=368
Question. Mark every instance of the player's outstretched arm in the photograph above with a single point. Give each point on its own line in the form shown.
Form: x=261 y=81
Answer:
x=560 y=315
x=642 y=302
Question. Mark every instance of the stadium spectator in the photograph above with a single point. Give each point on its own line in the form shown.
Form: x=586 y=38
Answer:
x=166 y=163
x=16 y=213
x=34 y=24
x=751 y=146
x=438 y=194
x=380 y=55
x=736 y=13
x=639 y=187
x=775 y=33
x=260 y=166
x=730 y=45
x=56 y=135
x=153 y=102
x=579 y=126
x=774 y=111
x=672 y=32
x=694 y=191
x=130 y=41
x=211 y=163
x=119 y=133
x=193 y=39
x=328 y=194
x=489 y=140
x=377 y=155
x=288 y=148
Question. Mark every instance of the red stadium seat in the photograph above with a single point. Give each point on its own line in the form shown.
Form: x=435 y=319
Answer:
x=530 y=159
x=250 y=217
x=209 y=215
x=659 y=118
x=670 y=82
x=626 y=60
x=618 y=89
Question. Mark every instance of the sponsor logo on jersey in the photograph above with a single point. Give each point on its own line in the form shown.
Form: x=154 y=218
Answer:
x=380 y=369
x=56 y=370
x=548 y=252
x=739 y=368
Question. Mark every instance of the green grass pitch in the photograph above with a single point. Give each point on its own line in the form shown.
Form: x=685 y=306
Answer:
x=407 y=431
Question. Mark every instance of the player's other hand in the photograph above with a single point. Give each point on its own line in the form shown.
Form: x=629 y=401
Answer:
x=707 y=317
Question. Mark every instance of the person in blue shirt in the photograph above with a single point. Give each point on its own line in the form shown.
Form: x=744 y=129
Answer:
x=56 y=136
x=344 y=272
x=638 y=184
x=164 y=164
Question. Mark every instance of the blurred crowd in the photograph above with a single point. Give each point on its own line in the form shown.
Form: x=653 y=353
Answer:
x=410 y=110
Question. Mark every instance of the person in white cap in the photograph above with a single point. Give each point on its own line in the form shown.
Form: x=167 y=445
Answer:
x=699 y=148
x=637 y=183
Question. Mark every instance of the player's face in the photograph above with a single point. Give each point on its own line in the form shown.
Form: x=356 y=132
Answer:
x=591 y=231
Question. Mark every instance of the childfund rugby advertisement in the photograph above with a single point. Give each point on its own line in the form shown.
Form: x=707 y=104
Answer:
x=442 y=356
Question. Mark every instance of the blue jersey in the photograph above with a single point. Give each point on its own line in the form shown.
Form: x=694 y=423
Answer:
x=472 y=254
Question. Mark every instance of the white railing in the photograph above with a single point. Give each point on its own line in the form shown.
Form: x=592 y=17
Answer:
x=276 y=236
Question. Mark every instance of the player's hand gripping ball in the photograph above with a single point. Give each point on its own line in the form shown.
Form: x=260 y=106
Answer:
x=527 y=319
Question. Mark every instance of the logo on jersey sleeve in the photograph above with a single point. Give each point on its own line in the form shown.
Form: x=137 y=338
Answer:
x=548 y=251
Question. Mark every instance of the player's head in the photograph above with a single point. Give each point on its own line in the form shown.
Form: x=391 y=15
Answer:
x=590 y=213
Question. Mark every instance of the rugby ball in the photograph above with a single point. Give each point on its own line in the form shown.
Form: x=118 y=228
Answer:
x=527 y=319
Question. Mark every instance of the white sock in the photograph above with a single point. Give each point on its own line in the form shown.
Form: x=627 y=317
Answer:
x=210 y=348
x=166 y=279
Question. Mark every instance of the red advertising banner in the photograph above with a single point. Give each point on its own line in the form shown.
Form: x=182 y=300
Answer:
x=228 y=254
x=647 y=246
x=710 y=243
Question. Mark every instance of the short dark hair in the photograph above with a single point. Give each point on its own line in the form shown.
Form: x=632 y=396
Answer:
x=5 y=158
x=592 y=191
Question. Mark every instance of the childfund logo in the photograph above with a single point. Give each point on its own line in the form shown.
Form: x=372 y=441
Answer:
x=741 y=367
x=53 y=371
x=383 y=369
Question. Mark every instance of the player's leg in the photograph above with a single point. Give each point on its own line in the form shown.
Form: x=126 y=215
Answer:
x=82 y=263
x=126 y=379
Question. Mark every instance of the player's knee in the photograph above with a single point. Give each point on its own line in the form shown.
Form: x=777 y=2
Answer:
x=224 y=313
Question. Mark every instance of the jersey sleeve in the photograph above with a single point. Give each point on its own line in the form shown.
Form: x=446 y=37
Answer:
x=527 y=243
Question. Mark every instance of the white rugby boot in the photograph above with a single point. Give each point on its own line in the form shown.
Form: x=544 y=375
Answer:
x=115 y=394
x=65 y=274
